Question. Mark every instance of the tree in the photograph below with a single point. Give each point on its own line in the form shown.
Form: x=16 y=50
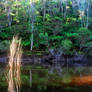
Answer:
x=83 y=36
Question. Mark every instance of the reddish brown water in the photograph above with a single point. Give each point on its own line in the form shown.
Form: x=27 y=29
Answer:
x=84 y=80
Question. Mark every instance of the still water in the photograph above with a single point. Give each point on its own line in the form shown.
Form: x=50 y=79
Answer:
x=53 y=89
x=39 y=80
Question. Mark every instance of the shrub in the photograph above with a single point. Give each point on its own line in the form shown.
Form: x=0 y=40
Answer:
x=67 y=45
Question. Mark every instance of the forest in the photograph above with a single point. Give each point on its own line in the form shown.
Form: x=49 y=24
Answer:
x=47 y=24
x=45 y=45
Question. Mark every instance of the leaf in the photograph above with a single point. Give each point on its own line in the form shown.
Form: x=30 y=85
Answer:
x=12 y=14
x=55 y=37
x=71 y=34
x=26 y=43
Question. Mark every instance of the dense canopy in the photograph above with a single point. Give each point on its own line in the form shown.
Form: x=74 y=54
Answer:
x=47 y=24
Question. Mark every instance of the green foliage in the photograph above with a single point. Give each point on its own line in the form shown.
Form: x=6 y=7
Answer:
x=4 y=45
x=43 y=38
x=69 y=35
x=67 y=45
x=83 y=36
x=52 y=30
x=26 y=43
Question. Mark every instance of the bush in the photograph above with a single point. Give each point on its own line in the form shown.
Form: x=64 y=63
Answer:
x=83 y=36
x=67 y=45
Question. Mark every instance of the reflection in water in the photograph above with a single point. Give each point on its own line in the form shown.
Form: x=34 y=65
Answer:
x=14 y=64
x=84 y=80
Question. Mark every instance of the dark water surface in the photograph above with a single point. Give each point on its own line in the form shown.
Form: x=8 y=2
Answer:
x=77 y=79
x=53 y=89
